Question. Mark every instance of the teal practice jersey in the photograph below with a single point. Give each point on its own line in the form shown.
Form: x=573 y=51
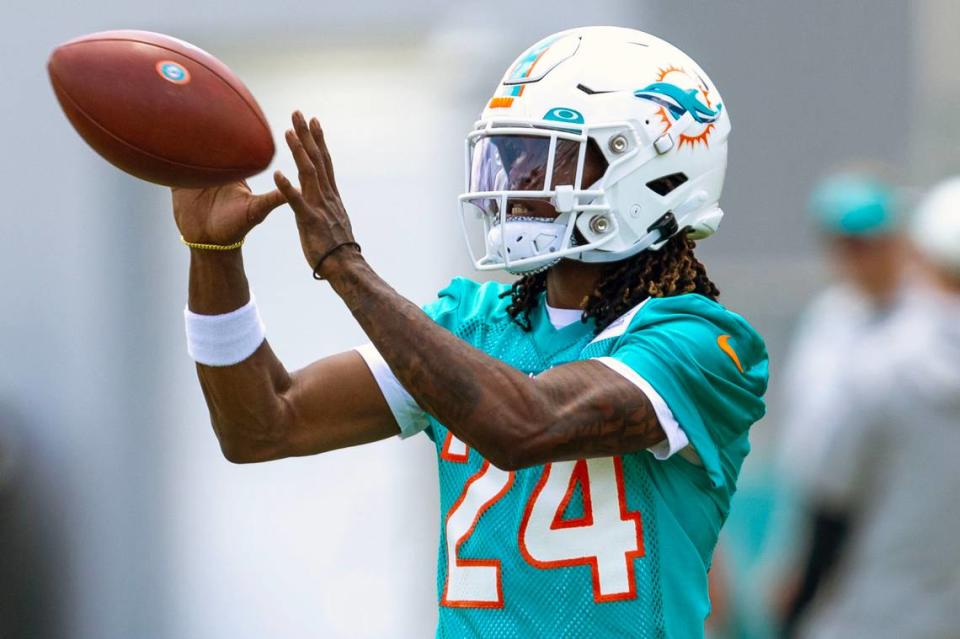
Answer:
x=611 y=547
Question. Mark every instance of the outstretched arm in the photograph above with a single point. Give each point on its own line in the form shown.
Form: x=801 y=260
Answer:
x=258 y=410
x=577 y=410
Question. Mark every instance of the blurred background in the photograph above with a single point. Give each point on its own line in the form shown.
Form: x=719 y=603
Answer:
x=119 y=518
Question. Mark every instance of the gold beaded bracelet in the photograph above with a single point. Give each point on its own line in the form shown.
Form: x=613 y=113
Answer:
x=212 y=247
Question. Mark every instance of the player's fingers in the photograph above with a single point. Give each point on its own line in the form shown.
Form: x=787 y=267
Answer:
x=290 y=193
x=306 y=171
x=310 y=144
x=322 y=158
x=264 y=204
x=316 y=132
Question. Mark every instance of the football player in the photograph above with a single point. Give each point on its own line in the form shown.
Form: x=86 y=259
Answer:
x=589 y=420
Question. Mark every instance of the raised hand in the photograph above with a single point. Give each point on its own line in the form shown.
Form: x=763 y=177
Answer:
x=222 y=214
x=321 y=217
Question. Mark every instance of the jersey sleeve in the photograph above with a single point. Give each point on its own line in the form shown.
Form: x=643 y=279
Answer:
x=675 y=439
x=710 y=369
x=409 y=416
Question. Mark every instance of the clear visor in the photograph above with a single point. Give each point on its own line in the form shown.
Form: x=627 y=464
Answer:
x=525 y=193
x=523 y=163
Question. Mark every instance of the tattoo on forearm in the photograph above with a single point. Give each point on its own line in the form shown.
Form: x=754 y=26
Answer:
x=573 y=411
x=416 y=348
x=609 y=415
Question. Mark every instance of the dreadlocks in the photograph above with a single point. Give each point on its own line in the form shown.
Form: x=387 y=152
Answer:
x=672 y=270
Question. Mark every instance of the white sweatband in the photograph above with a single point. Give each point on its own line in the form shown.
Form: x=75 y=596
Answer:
x=224 y=340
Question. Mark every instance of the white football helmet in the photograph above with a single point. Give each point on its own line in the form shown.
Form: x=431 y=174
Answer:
x=935 y=228
x=600 y=143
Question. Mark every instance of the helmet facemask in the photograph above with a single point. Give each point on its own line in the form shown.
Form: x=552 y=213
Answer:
x=525 y=186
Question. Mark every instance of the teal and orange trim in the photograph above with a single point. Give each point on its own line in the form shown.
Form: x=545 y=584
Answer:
x=522 y=69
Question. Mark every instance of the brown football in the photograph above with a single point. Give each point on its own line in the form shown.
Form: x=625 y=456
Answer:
x=160 y=108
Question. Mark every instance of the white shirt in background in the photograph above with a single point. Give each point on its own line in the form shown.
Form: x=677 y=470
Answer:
x=831 y=329
x=891 y=463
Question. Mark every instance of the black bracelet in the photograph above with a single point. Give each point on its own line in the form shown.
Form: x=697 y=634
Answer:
x=316 y=268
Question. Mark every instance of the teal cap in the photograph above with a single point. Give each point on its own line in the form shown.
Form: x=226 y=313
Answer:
x=854 y=204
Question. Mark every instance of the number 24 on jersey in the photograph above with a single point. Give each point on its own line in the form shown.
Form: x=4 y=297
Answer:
x=607 y=537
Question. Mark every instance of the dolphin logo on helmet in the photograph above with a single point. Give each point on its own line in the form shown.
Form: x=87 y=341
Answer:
x=679 y=101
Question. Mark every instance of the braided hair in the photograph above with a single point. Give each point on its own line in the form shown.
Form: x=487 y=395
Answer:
x=672 y=270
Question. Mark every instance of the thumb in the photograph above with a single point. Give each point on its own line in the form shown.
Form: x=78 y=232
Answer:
x=263 y=204
x=290 y=193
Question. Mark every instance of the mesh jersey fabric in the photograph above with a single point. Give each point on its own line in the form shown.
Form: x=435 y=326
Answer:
x=615 y=547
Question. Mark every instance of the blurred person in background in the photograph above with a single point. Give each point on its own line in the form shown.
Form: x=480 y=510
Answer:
x=885 y=559
x=857 y=217
x=766 y=539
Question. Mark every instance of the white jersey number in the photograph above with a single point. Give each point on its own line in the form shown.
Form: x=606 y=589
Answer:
x=474 y=583
x=606 y=537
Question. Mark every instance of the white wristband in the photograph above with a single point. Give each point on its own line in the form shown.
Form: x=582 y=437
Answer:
x=224 y=340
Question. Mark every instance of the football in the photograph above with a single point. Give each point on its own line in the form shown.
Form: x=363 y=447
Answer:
x=160 y=108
